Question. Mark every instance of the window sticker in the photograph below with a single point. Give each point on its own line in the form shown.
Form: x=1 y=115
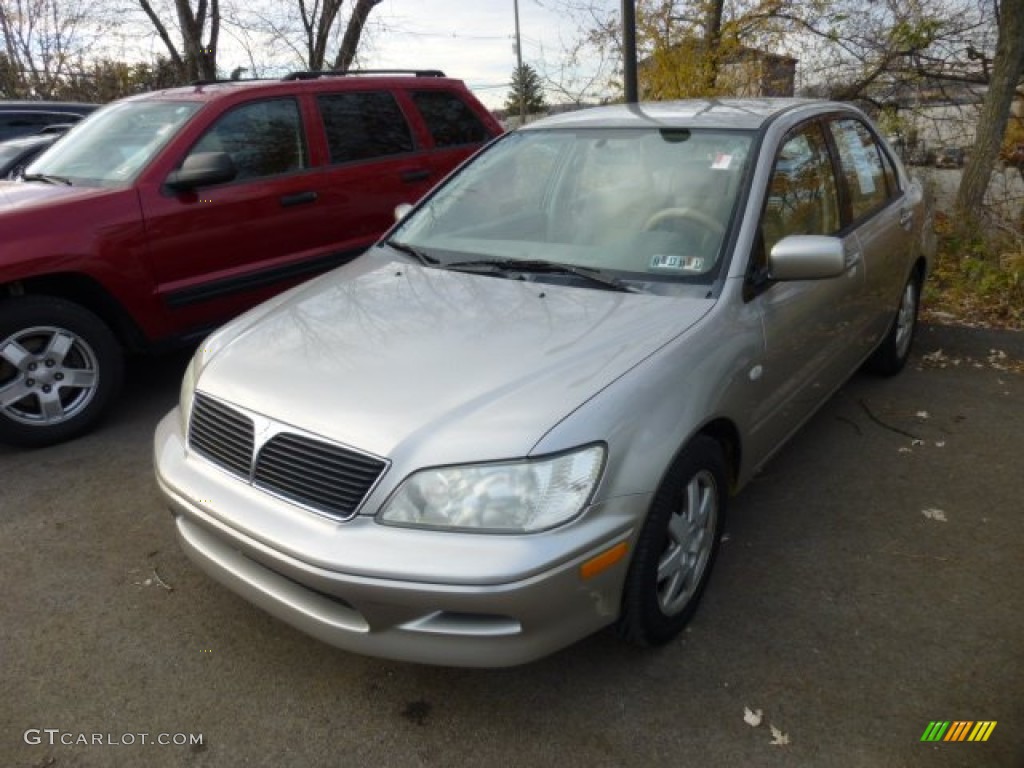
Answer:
x=861 y=164
x=722 y=162
x=676 y=263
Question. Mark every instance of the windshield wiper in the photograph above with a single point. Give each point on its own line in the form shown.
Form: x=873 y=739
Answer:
x=47 y=178
x=540 y=265
x=413 y=251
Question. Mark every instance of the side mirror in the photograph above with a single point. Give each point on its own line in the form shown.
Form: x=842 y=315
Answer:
x=402 y=210
x=201 y=170
x=806 y=257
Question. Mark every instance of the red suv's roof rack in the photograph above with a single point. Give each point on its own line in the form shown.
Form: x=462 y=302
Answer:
x=313 y=74
x=228 y=80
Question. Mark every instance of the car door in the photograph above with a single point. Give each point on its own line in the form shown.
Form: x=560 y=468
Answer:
x=880 y=215
x=373 y=163
x=217 y=250
x=807 y=324
x=455 y=130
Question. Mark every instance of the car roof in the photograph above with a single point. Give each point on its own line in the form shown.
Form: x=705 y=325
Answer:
x=71 y=107
x=300 y=81
x=748 y=114
x=31 y=140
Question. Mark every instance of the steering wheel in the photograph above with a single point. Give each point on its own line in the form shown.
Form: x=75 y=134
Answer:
x=686 y=214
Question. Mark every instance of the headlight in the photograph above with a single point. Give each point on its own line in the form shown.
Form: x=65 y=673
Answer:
x=516 y=497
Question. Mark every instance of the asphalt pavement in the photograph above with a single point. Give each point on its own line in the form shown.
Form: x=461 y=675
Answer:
x=871 y=581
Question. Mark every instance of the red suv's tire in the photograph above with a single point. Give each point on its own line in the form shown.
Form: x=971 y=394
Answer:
x=60 y=367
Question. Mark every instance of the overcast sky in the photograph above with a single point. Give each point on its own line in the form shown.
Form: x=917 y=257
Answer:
x=473 y=40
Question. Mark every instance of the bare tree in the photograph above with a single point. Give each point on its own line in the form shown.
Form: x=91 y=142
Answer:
x=306 y=30
x=44 y=40
x=318 y=24
x=195 y=58
x=354 y=33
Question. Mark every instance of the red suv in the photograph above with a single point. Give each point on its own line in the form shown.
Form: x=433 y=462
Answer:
x=162 y=215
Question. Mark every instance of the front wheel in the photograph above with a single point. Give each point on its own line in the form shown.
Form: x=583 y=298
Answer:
x=894 y=351
x=676 y=547
x=60 y=367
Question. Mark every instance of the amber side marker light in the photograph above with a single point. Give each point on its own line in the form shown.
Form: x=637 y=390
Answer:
x=604 y=561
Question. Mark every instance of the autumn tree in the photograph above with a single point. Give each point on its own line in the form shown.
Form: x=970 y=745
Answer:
x=10 y=78
x=687 y=48
x=1007 y=71
x=103 y=80
x=525 y=89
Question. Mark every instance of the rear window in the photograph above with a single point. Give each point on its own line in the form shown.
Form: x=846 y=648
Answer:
x=449 y=119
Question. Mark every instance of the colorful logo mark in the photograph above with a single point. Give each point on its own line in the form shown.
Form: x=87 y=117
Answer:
x=958 y=730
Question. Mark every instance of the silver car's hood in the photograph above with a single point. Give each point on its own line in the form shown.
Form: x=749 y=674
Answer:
x=389 y=357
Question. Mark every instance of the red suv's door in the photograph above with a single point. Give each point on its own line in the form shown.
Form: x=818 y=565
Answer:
x=373 y=160
x=217 y=250
x=452 y=127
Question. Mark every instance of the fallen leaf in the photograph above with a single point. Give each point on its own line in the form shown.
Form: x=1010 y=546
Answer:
x=922 y=414
x=752 y=717
x=935 y=514
x=779 y=739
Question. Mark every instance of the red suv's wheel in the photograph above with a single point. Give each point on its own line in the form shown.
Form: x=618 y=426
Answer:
x=60 y=366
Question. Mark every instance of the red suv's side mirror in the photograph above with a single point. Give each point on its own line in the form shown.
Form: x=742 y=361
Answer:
x=201 y=170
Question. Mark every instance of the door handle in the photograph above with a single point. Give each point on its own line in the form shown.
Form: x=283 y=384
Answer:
x=299 y=198
x=419 y=174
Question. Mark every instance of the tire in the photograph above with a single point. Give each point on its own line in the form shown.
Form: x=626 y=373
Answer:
x=894 y=351
x=60 y=368
x=680 y=539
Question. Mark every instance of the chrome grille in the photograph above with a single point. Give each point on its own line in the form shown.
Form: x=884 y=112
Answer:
x=322 y=476
x=222 y=435
x=326 y=477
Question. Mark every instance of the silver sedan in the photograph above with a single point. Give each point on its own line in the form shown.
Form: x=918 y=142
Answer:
x=520 y=416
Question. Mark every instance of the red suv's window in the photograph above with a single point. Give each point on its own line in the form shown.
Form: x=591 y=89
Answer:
x=264 y=138
x=449 y=120
x=364 y=125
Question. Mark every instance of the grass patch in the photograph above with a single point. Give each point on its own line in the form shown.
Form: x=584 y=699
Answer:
x=977 y=280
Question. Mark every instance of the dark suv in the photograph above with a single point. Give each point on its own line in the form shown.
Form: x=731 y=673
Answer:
x=163 y=215
x=20 y=118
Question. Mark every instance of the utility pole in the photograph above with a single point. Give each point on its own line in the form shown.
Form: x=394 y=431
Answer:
x=629 y=85
x=519 y=69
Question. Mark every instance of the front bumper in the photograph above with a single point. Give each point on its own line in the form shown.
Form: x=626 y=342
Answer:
x=398 y=593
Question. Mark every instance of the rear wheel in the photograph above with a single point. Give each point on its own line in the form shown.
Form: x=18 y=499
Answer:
x=894 y=351
x=676 y=547
x=60 y=367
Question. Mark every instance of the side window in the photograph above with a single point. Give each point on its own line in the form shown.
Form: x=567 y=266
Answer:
x=264 y=138
x=450 y=121
x=363 y=125
x=892 y=179
x=861 y=160
x=802 y=192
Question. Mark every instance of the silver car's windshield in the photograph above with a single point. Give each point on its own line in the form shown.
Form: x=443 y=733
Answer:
x=111 y=146
x=647 y=205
